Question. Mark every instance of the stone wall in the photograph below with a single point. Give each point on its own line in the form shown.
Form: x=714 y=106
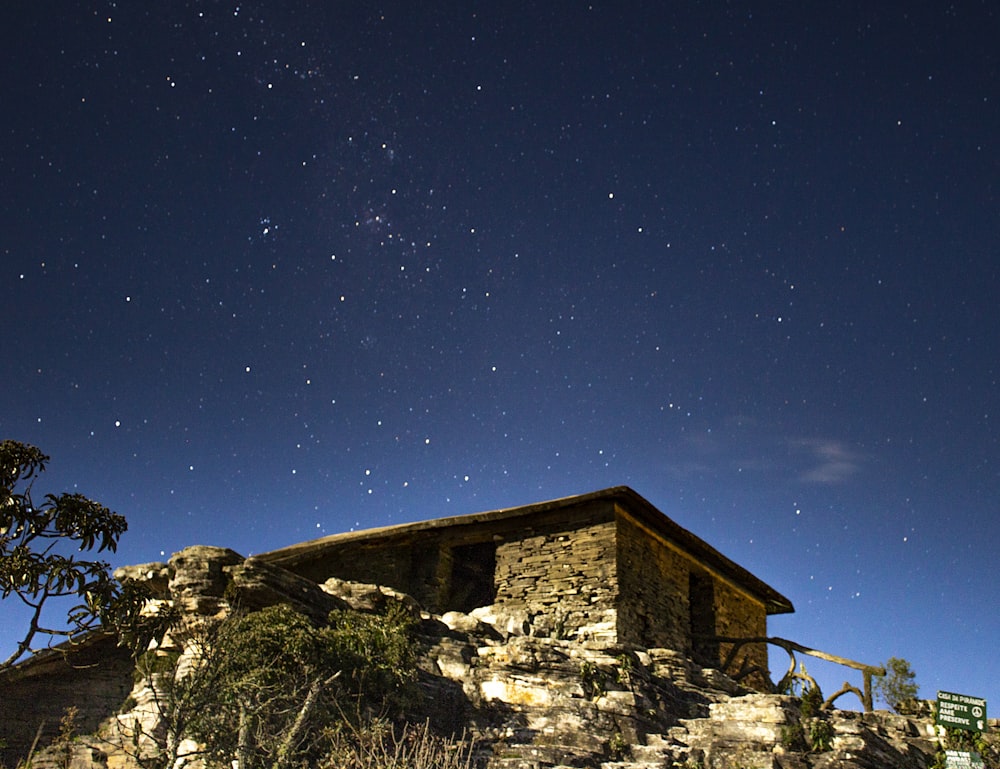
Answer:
x=407 y=565
x=563 y=576
x=670 y=600
x=739 y=616
x=653 y=606
x=95 y=678
x=559 y=564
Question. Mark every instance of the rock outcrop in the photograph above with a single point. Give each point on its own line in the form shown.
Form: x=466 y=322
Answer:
x=541 y=702
x=530 y=698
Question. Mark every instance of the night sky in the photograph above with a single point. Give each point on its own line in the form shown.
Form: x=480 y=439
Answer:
x=275 y=270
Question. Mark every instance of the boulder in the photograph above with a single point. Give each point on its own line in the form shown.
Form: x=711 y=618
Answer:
x=155 y=576
x=198 y=579
x=257 y=584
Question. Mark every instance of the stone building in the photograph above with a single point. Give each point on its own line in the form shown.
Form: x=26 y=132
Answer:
x=605 y=566
x=585 y=579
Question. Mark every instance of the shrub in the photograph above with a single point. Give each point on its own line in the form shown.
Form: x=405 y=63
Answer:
x=812 y=701
x=272 y=689
x=897 y=686
x=793 y=737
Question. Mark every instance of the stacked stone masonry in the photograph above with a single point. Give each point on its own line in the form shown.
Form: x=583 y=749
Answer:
x=670 y=600
x=565 y=581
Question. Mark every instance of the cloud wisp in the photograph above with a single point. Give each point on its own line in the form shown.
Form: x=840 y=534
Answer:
x=831 y=461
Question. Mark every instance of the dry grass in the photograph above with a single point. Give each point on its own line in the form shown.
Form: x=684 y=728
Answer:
x=412 y=747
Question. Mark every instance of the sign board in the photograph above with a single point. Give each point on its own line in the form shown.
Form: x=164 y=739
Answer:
x=961 y=759
x=960 y=711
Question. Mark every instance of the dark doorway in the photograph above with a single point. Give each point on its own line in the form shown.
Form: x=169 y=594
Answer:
x=701 y=605
x=472 y=577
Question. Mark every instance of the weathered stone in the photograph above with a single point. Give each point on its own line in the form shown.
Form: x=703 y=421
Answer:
x=368 y=597
x=155 y=576
x=78 y=754
x=94 y=676
x=465 y=623
x=198 y=579
x=452 y=659
x=256 y=584
x=507 y=620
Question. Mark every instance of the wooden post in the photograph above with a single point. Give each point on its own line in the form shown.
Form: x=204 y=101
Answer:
x=867 y=671
x=867 y=675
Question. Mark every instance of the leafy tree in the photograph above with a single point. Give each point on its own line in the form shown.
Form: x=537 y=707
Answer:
x=898 y=685
x=38 y=562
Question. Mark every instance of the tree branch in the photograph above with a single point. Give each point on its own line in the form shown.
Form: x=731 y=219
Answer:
x=302 y=720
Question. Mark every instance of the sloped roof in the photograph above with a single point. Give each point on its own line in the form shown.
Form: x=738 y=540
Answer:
x=625 y=497
x=85 y=650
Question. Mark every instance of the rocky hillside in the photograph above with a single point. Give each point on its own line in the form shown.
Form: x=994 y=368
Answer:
x=534 y=701
x=543 y=702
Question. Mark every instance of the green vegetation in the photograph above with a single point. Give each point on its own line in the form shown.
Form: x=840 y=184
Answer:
x=272 y=689
x=592 y=678
x=406 y=747
x=62 y=745
x=618 y=746
x=898 y=685
x=811 y=731
x=812 y=702
x=792 y=737
x=597 y=679
x=813 y=734
x=40 y=542
x=974 y=742
x=820 y=736
x=797 y=682
x=623 y=673
x=277 y=678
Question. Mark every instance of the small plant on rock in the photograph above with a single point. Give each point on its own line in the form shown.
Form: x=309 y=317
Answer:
x=793 y=737
x=820 y=736
x=812 y=702
x=592 y=679
x=623 y=674
x=63 y=743
x=617 y=745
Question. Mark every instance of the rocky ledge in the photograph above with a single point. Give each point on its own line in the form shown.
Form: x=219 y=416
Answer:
x=545 y=702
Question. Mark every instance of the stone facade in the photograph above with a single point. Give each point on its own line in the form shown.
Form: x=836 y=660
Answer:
x=561 y=579
x=602 y=565
x=671 y=599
